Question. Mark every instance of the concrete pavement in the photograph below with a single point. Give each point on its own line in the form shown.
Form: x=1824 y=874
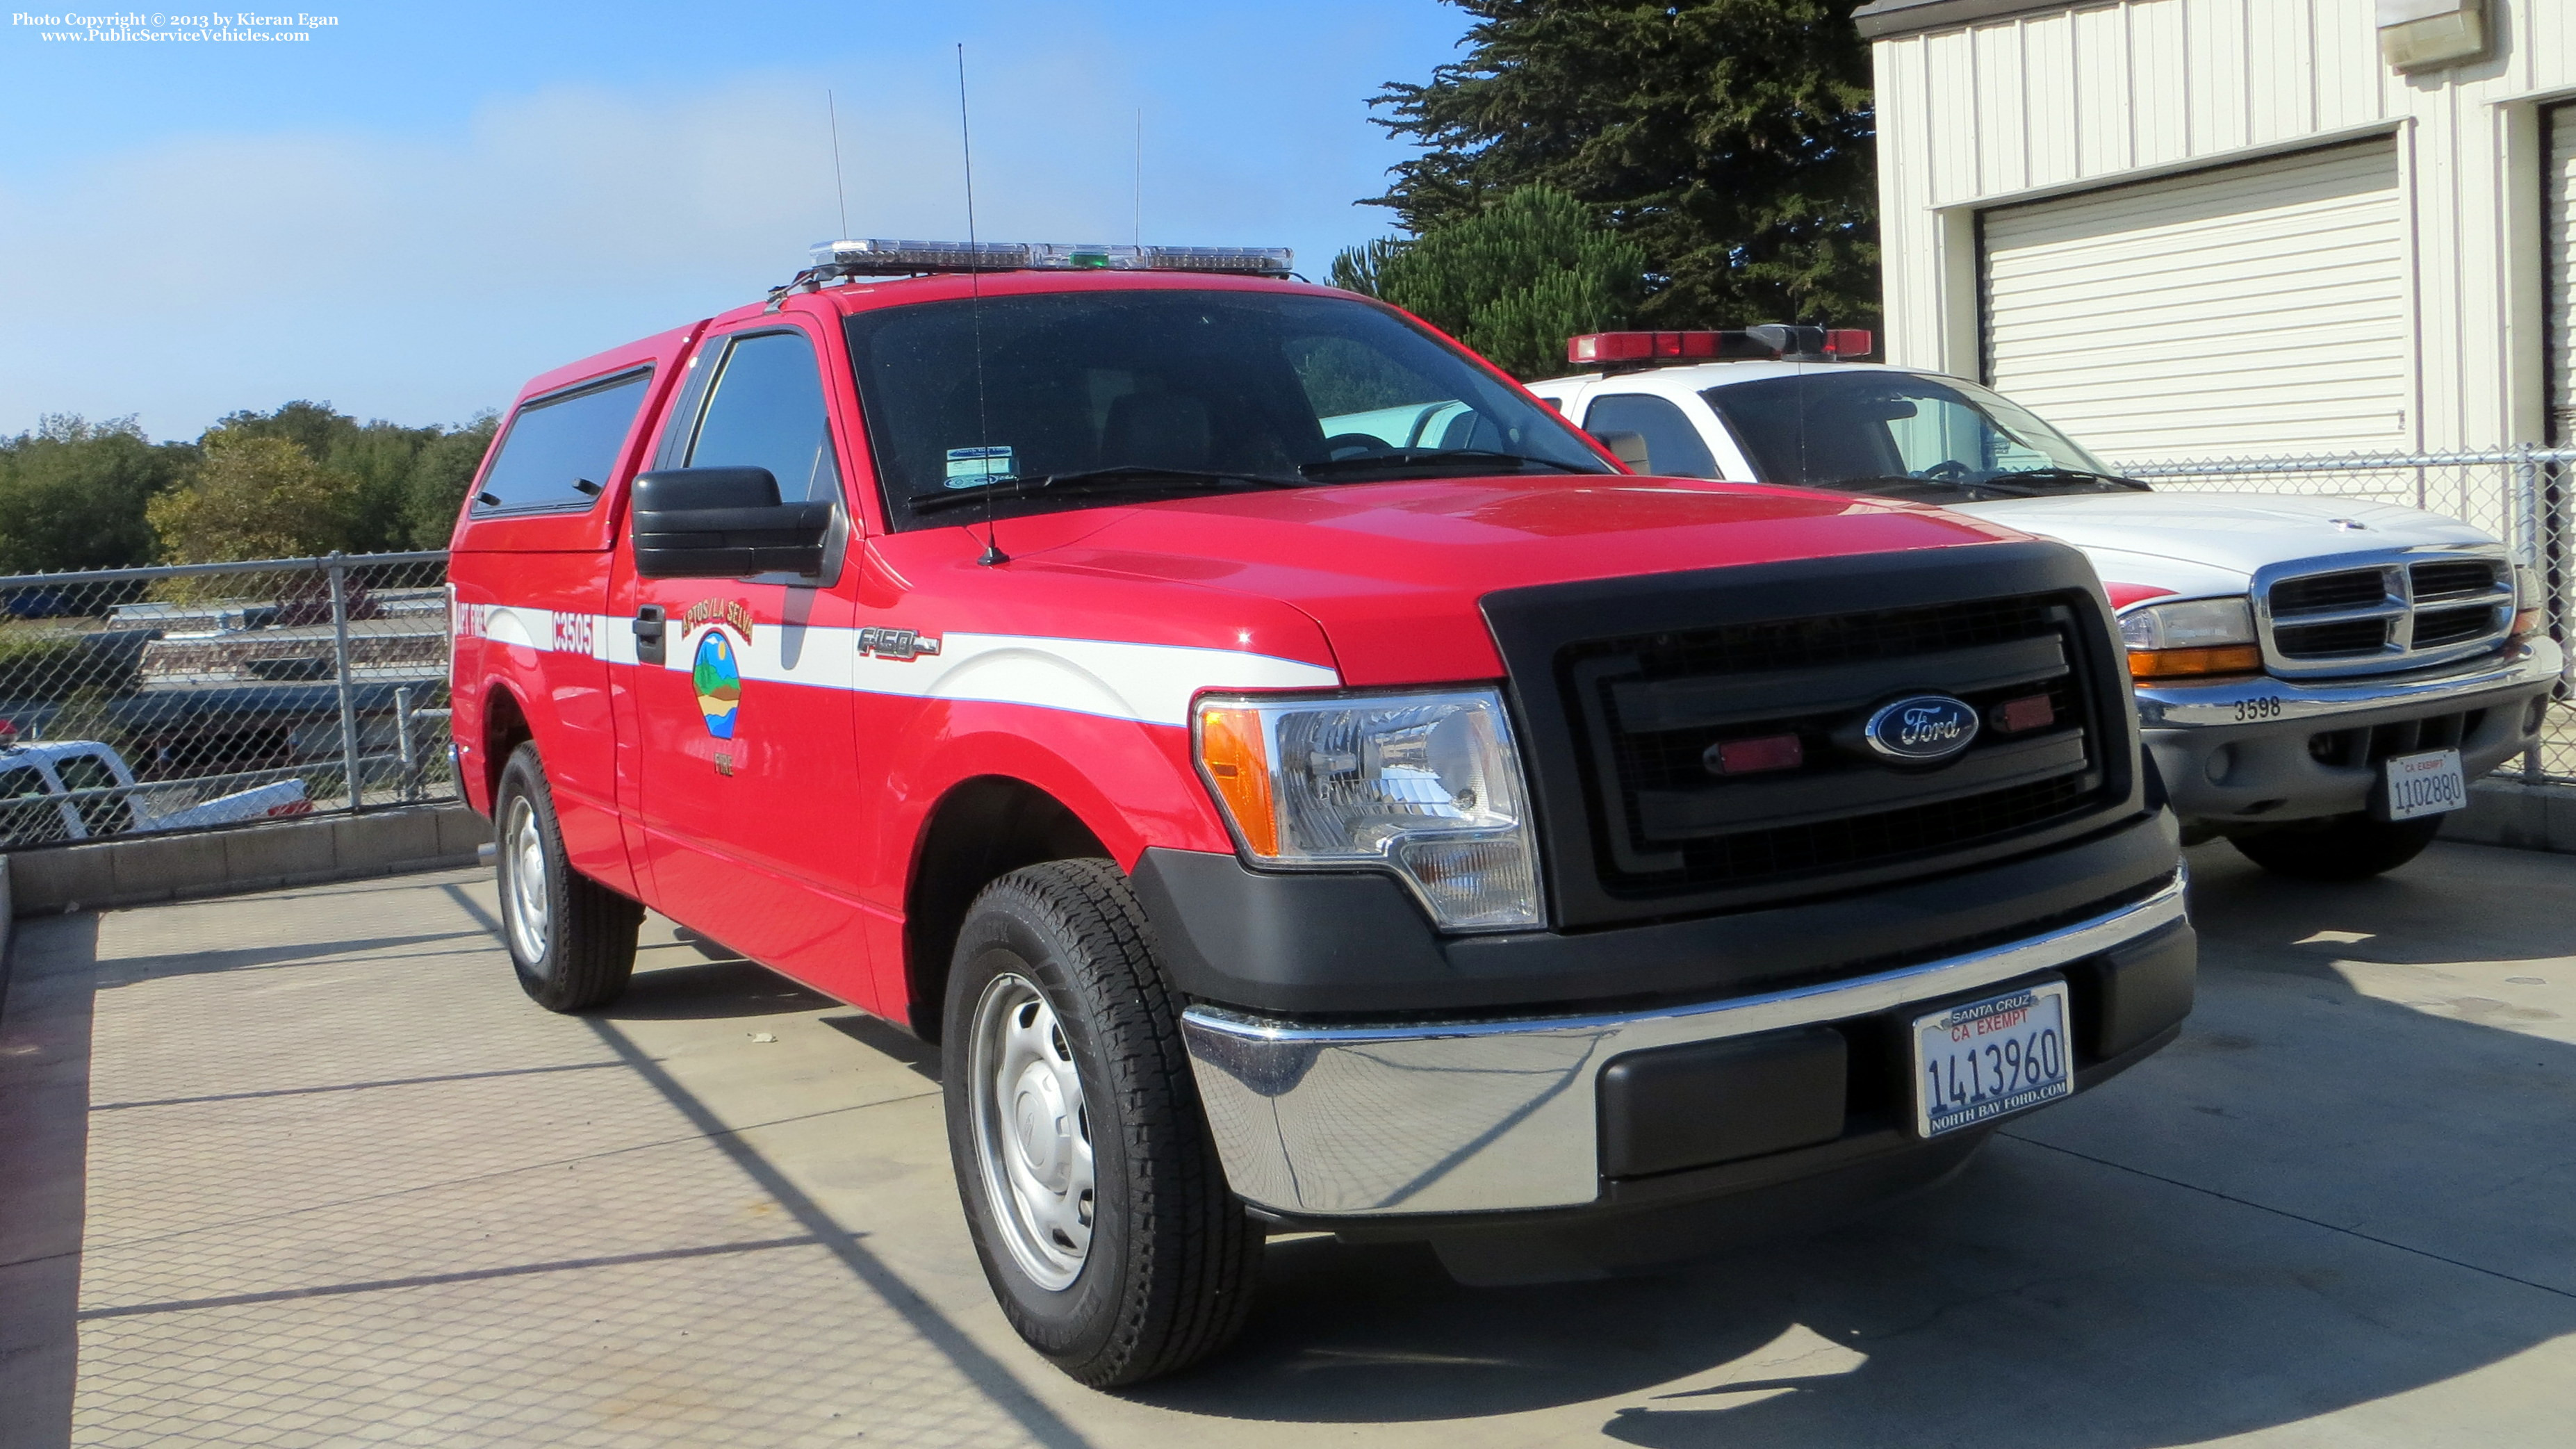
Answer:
x=305 y=1168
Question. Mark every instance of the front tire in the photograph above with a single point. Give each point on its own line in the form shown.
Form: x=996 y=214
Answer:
x=571 y=939
x=1093 y=1192
x=2346 y=847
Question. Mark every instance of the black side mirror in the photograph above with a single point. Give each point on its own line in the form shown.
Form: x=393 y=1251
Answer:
x=723 y=523
x=1628 y=448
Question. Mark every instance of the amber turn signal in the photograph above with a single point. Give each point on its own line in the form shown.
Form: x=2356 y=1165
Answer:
x=1238 y=766
x=2185 y=663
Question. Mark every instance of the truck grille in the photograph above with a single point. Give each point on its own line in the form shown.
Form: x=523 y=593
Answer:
x=1656 y=706
x=2402 y=611
x=2318 y=593
x=1697 y=741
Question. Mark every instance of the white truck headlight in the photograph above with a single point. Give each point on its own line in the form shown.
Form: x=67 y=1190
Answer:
x=2191 y=637
x=2529 y=599
x=1426 y=785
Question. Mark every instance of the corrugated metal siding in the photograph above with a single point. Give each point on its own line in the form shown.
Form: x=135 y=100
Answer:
x=1980 y=116
x=2260 y=308
x=2558 y=255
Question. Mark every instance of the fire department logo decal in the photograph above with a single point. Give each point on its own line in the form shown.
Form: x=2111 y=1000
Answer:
x=719 y=683
x=716 y=669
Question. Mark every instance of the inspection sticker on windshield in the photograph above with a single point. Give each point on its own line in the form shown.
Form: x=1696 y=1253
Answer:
x=975 y=467
x=1981 y=1059
x=2425 y=784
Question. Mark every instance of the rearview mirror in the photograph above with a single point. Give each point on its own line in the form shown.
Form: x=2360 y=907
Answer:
x=1628 y=448
x=1880 y=409
x=723 y=523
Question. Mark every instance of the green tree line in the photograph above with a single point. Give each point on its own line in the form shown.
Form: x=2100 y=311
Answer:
x=303 y=479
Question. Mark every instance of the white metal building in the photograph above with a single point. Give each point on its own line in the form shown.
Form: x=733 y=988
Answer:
x=2186 y=228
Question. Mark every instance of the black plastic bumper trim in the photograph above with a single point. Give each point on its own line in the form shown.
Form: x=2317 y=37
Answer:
x=1320 y=945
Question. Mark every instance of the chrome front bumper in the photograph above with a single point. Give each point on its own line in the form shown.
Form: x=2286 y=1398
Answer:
x=1491 y=1116
x=2237 y=750
x=2532 y=665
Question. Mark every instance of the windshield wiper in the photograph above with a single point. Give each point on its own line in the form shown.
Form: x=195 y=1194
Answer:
x=1465 y=460
x=1903 y=485
x=2105 y=481
x=1097 y=480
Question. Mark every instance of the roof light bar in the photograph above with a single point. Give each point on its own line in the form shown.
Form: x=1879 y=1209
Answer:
x=876 y=257
x=1614 y=347
x=1623 y=351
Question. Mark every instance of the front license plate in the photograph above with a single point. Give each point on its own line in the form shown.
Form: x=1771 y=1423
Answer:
x=2425 y=784
x=1978 y=1060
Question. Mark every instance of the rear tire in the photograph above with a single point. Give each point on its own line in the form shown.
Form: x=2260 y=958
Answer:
x=571 y=939
x=2346 y=847
x=1092 y=1189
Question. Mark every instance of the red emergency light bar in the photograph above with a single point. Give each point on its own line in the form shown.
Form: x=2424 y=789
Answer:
x=1598 y=347
x=1621 y=350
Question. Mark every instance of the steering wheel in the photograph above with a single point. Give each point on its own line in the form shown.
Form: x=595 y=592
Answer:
x=1354 y=445
x=1948 y=470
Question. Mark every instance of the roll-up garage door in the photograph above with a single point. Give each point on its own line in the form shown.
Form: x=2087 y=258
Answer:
x=2558 y=221
x=2258 y=309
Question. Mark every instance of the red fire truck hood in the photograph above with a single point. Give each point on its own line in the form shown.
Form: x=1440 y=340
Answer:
x=1393 y=571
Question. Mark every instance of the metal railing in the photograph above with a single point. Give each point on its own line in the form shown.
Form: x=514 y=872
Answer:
x=2525 y=496
x=197 y=695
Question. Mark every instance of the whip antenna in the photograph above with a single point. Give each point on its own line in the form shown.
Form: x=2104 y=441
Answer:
x=840 y=187
x=975 y=305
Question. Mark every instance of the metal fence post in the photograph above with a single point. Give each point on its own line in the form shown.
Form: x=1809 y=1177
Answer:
x=2527 y=549
x=402 y=742
x=337 y=567
x=2526 y=507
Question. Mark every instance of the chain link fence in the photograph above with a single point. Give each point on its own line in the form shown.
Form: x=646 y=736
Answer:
x=197 y=695
x=2525 y=496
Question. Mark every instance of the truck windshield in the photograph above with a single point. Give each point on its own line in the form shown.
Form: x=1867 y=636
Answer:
x=1084 y=396
x=1902 y=433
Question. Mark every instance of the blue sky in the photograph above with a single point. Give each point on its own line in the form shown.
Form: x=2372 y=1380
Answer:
x=416 y=209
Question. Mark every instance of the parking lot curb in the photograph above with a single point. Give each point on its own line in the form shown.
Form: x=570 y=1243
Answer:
x=142 y=869
x=2513 y=813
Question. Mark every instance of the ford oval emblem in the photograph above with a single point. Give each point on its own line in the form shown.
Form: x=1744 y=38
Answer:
x=1921 y=729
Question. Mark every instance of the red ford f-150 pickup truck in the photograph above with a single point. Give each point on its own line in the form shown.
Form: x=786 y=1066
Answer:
x=1282 y=830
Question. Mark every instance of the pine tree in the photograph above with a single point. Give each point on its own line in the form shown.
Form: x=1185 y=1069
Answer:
x=1729 y=139
x=1512 y=281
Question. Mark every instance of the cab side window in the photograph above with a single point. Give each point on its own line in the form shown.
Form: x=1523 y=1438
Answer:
x=765 y=410
x=103 y=814
x=1673 y=446
x=29 y=814
x=560 y=450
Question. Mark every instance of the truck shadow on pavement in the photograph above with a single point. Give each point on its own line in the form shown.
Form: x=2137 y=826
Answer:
x=2339 y=1186
x=694 y=978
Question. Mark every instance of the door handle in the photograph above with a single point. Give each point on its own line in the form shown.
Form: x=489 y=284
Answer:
x=648 y=634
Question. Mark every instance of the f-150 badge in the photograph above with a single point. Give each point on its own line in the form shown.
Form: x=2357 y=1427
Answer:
x=897 y=644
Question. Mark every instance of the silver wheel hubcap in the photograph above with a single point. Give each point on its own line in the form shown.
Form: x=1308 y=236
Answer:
x=523 y=883
x=1032 y=1132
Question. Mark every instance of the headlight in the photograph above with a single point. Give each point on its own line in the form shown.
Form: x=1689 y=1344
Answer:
x=2528 y=600
x=2191 y=637
x=1426 y=785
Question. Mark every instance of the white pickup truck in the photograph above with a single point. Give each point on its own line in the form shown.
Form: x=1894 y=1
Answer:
x=59 y=790
x=2317 y=678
